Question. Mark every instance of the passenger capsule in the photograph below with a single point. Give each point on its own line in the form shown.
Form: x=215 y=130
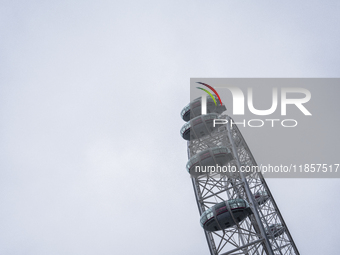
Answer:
x=261 y=197
x=224 y=215
x=274 y=230
x=208 y=161
x=199 y=126
x=193 y=109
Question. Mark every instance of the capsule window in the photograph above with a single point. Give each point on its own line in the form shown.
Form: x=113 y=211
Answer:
x=185 y=127
x=210 y=215
x=205 y=155
x=208 y=117
x=221 y=210
x=211 y=117
x=236 y=203
x=196 y=104
x=185 y=109
x=197 y=121
x=232 y=205
x=216 y=150
x=193 y=166
x=192 y=161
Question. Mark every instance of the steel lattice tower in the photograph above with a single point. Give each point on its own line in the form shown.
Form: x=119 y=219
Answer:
x=263 y=230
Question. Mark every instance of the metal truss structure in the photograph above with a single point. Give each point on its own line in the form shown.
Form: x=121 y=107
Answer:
x=262 y=232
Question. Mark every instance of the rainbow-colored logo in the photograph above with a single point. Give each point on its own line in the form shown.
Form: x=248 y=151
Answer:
x=213 y=90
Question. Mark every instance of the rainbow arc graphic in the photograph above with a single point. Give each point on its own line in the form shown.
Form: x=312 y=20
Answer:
x=209 y=93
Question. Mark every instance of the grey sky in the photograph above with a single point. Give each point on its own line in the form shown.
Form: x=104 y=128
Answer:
x=91 y=158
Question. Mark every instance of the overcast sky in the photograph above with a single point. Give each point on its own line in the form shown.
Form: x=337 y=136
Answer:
x=91 y=158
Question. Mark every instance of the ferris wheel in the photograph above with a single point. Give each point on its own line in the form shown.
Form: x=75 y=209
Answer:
x=238 y=213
